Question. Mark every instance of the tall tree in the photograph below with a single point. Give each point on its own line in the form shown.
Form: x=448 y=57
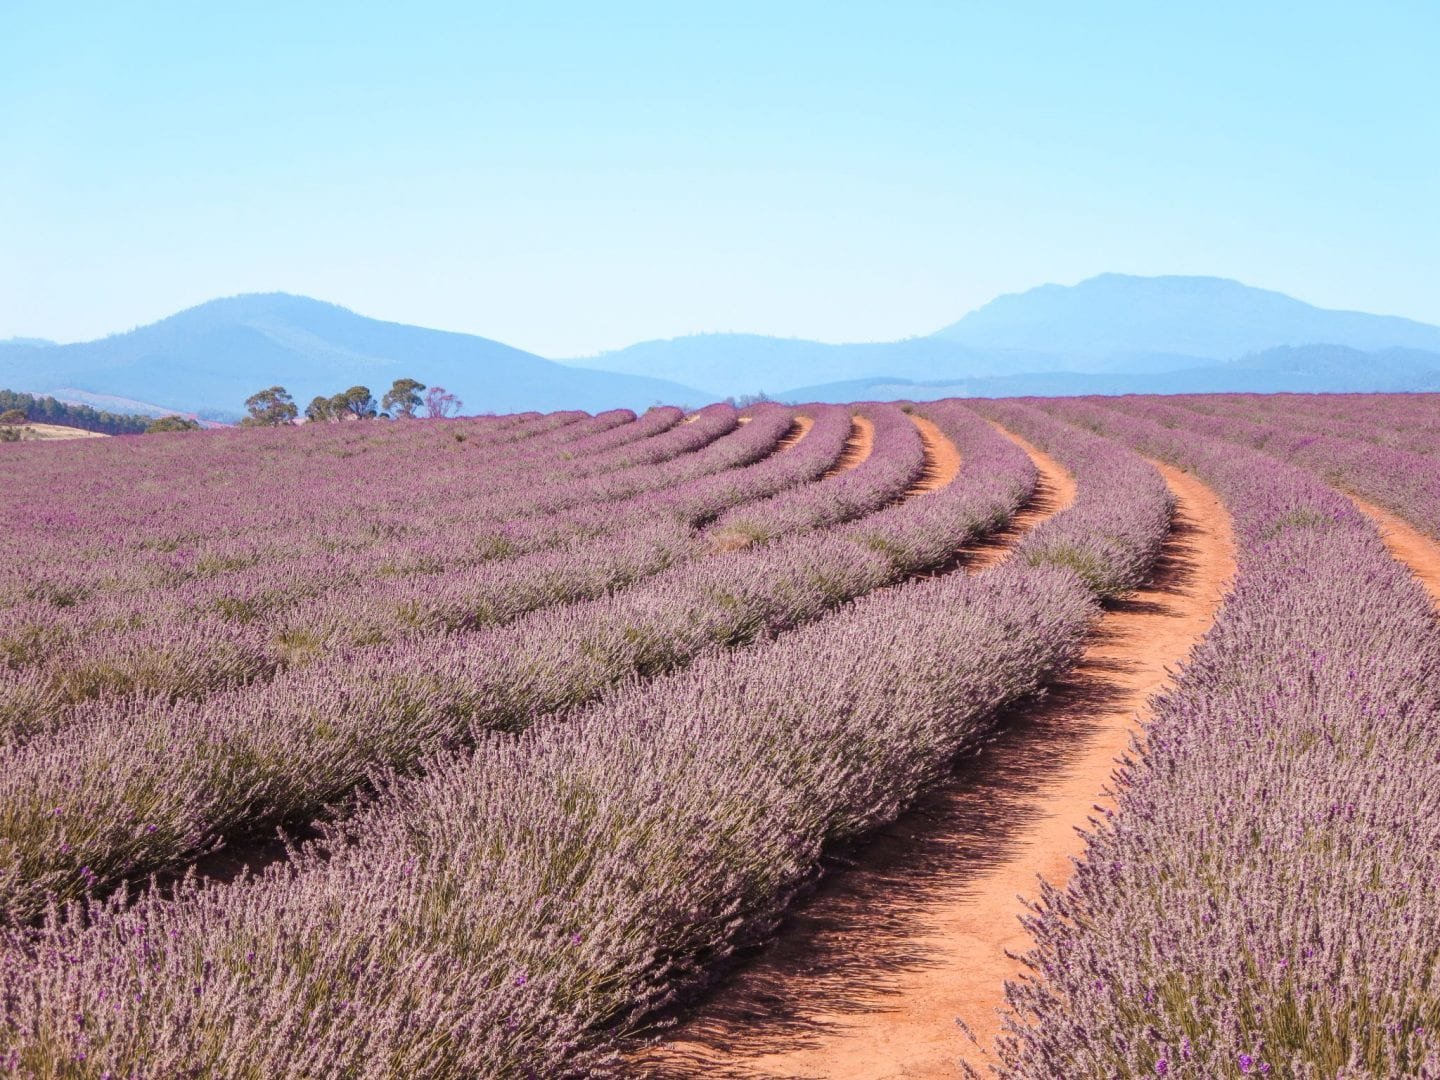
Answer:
x=270 y=408
x=171 y=423
x=440 y=403
x=319 y=410
x=402 y=399
x=358 y=402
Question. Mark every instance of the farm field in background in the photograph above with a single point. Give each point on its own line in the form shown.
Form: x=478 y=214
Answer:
x=720 y=743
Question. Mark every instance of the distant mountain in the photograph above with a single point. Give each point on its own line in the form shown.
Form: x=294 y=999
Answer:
x=749 y=363
x=115 y=404
x=1111 y=334
x=210 y=358
x=1115 y=315
x=1304 y=369
x=1111 y=324
x=36 y=341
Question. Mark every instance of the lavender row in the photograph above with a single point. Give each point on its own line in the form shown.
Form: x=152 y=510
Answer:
x=95 y=474
x=248 y=506
x=848 y=495
x=1400 y=480
x=374 y=505
x=188 y=659
x=517 y=909
x=145 y=785
x=422 y=546
x=1101 y=540
x=1266 y=898
x=135 y=593
x=1403 y=421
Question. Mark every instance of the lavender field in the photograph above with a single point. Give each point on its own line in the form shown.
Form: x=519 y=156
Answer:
x=492 y=747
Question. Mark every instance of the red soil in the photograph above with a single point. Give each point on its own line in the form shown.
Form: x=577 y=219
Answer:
x=1054 y=491
x=857 y=447
x=1407 y=544
x=798 y=430
x=942 y=460
x=870 y=975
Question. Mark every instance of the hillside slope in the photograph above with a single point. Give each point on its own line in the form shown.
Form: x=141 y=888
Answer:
x=1114 y=315
x=1135 y=329
x=1306 y=369
x=210 y=358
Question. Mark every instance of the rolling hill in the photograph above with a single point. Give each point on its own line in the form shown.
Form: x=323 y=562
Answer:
x=1110 y=334
x=1115 y=330
x=209 y=358
x=1286 y=369
x=1113 y=316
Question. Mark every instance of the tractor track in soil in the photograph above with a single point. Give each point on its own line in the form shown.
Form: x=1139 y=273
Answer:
x=1407 y=545
x=857 y=446
x=915 y=930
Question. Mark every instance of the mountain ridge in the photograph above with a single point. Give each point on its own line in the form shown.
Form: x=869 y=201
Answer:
x=1110 y=324
x=210 y=357
x=1117 y=332
x=1210 y=317
x=1284 y=369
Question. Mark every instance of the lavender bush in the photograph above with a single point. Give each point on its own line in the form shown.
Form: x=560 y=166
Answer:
x=515 y=909
x=146 y=784
x=1266 y=898
x=165 y=653
x=1400 y=480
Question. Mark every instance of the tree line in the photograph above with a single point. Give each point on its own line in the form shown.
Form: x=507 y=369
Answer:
x=273 y=406
x=47 y=410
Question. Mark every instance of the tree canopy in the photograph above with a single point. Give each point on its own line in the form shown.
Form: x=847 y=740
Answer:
x=400 y=402
x=47 y=410
x=171 y=423
x=403 y=398
x=357 y=402
x=270 y=408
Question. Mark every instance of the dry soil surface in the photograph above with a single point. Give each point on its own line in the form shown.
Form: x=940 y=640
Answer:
x=942 y=459
x=798 y=430
x=868 y=978
x=1407 y=544
x=857 y=446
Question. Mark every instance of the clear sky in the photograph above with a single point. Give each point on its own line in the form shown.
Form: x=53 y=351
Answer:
x=571 y=177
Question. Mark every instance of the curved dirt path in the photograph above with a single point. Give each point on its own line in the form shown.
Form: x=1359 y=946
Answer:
x=1407 y=544
x=1054 y=491
x=761 y=1015
x=872 y=973
x=799 y=428
x=942 y=459
x=857 y=446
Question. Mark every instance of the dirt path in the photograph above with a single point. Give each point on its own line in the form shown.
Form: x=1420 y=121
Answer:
x=1054 y=491
x=942 y=459
x=857 y=446
x=799 y=428
x=1407 y=544
x=870 y=975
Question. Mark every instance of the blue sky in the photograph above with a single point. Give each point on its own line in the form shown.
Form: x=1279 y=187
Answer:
x=572 y=177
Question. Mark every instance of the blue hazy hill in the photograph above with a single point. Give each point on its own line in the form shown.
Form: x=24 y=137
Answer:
x=1112 y=315
x=1135 y=329
x=1110 y=334
x=747 y=363
x=1286 y=369
x=209 y=358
